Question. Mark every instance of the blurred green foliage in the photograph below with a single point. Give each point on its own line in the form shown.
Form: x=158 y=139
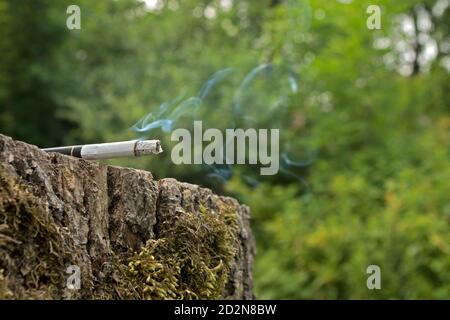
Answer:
x=371 y=113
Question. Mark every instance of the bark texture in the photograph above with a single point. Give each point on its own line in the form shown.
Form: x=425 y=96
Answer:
x=59 y=211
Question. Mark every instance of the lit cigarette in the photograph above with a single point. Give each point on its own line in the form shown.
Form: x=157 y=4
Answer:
x=132 y=148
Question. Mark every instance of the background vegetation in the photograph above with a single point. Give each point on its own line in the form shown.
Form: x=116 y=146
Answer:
x=364 y=118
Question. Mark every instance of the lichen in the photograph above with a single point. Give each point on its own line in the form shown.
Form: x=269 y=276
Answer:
x=192 y=262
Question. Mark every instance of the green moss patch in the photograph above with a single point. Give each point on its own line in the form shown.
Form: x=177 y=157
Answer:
x=32 y=247
x=5 y=293
x=192 y=262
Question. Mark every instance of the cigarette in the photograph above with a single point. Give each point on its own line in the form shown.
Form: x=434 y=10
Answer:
x=121 y=149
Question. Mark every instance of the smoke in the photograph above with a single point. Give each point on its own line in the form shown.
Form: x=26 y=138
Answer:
x=261 y=99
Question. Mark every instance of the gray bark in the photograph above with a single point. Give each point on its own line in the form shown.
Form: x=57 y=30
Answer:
x=102 y=211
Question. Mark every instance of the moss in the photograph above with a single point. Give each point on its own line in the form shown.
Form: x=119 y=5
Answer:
x=192 y=262
x=5 y=293
x=31 y=245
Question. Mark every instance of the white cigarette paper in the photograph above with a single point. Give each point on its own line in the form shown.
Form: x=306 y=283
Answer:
x=120 y=149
